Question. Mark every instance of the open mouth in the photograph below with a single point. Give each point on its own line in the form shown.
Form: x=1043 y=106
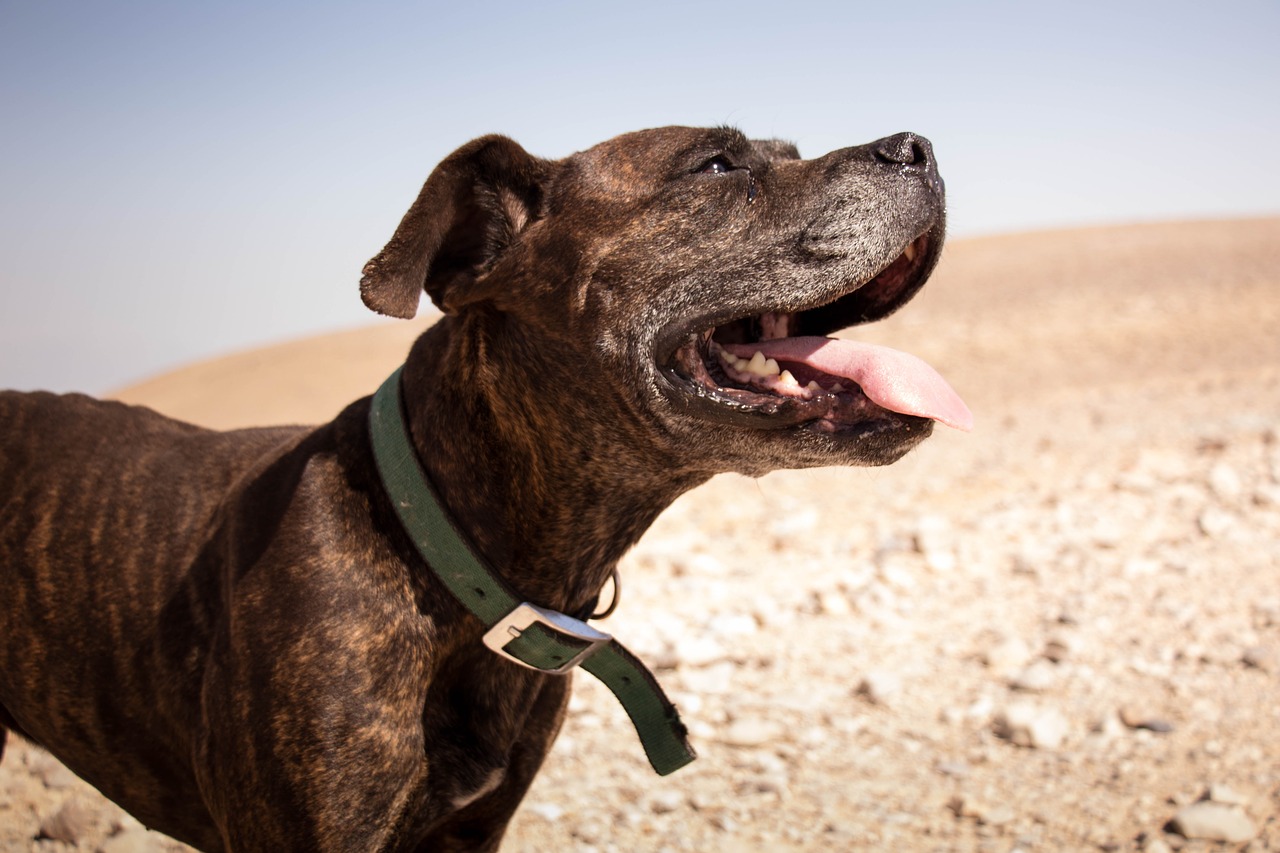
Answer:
x=778 y=368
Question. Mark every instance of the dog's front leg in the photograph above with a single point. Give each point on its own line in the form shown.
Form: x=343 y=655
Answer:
x=479 y=826
x=311 y=732
x=332 y=769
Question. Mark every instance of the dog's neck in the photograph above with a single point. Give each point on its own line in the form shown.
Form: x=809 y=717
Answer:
x=545 y=489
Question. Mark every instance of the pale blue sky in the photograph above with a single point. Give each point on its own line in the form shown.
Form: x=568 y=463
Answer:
x=180 y=180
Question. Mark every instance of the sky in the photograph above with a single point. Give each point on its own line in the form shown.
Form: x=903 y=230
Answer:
x=183 y=180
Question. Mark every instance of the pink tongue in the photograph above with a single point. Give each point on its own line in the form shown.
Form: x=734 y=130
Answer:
x=891 y=379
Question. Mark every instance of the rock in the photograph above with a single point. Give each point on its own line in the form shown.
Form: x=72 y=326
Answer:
x=1219 y=793
x=1059 y=647
x=1156 y=844
x=1216 y=523
x=1214 y=822
x=136 y=841
x=1139 y=718
x=880 y=687
x=50 y=771
x=1007 y=655
x=1108 y=727
x=1266 y=614
x=954 y=769
x=1225 y=482
x=1032 y=726
x=934 y=540
x=1036 y=678
x=986 y=814
x=832 y=602
x=70 y=824
x=665 y=802
x=1265 y=658
x=549 y=812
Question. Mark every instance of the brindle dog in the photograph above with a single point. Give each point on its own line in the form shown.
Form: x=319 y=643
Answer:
x=229 y=633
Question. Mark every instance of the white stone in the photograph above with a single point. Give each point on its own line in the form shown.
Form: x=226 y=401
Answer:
x=880 y=687
x=1007 y=655
x=1215 y=822
x=549 y=812
x=1219 y=793
x=1036 y=678
x=665 y=802
x=1032 y=726
x=1225 y=482
x=1216 y=523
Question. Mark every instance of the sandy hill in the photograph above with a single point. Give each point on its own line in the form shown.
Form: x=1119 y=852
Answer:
x=1059 y=632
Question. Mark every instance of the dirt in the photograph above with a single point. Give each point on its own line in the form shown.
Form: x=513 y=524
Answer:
x=1058 y=632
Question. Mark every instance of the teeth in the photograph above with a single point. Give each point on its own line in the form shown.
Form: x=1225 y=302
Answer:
x=837 y=388
x=785 y=378
x=910 y=252
x=760 y=366
x=814 y=387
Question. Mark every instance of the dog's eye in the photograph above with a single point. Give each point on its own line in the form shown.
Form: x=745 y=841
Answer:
x=716 y=166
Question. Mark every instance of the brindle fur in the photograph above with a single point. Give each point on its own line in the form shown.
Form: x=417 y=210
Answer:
x=229 y=634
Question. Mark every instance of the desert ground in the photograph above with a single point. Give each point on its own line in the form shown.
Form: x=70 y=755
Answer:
x=1059 y=632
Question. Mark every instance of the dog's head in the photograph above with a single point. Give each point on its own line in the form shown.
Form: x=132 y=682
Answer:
x=653 y=267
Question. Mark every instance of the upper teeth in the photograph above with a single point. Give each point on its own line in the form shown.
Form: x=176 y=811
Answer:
x=910 y=252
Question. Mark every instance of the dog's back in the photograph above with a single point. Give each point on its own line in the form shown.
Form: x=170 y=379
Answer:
x=110 y=520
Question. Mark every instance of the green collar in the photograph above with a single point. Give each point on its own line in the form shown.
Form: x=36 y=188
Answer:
x=521 y=632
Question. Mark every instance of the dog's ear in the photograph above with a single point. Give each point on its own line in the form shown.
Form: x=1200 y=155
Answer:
x=472 y=206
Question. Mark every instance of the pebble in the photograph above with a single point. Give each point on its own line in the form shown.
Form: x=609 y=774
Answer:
x=136 y=841
x=1225 y=482
x=665 y=802
x=1216 y=523
x=51 y=772
x=935 y=541
x=880 y=687
x=986 y=814
x=76 y=819
x=1059 y=647
x=1219 y=793
x=1139 y=718
x=1214 y=822
x=1007 y=655
x=1032 y=726
x=954 y=769
x=549 y=812
x=1036 y=678
x=1265 y=658
x=833 y=602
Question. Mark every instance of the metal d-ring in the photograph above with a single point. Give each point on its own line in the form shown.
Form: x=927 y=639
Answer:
x=617 y=594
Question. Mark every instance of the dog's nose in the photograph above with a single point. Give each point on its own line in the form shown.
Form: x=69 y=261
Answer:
x=905 y=149
x=911 y=151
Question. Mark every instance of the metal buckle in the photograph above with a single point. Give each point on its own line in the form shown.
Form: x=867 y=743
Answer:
x=514 y=624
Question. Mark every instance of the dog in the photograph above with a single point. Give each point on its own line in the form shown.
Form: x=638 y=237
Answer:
x=234 y=636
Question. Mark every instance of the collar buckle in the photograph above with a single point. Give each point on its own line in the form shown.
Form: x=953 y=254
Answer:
x=544 y=640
